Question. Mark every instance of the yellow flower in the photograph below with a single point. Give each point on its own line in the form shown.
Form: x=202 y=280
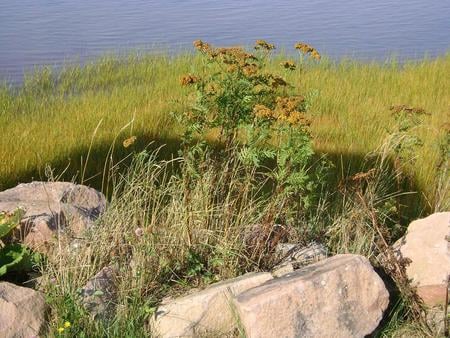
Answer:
x=60 y=329
x=67 y=325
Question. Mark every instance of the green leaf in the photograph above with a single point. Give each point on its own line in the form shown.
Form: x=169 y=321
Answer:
x=98 y=293
x=9 y=222
x=11 y=255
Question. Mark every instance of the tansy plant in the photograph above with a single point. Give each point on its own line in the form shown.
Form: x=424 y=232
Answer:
x=259 y=119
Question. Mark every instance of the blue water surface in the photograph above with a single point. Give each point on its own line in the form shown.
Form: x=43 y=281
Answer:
x=53 y=32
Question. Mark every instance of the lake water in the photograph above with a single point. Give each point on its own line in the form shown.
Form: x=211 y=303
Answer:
x=52 y=32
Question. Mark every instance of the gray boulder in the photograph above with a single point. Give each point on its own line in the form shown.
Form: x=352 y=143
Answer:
x=51 y=207
x=341 y=296
x=208 y=312
x=22 y=312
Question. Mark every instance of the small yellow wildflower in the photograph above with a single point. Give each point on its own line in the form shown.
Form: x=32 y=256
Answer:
x=67 y=324
x=60 y=329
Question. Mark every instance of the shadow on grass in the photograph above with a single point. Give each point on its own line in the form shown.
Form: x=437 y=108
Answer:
x=70 y=168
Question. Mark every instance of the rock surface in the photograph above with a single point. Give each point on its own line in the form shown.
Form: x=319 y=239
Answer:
x=426 y=247
x=341 y=296
x=208 y=311
x=99 y=295
x=51 y=206
x=22 y=311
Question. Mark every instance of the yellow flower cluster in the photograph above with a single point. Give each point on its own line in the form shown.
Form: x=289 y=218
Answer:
x=288 y=64
x=307 y=49
x=236 y=58
x=276 y=81
x=65 y=326
x=262 y=111
x=201 y=46
x=262 y=44
x=188 y=80
x=286 y=110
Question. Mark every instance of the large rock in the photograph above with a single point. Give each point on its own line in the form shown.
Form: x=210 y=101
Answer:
x=426 y=248
x=340 y=296
x=208 y=311
x=22 y=312
x=51 y=206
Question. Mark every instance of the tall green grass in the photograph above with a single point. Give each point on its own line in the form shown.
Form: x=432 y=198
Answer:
x=55 y=118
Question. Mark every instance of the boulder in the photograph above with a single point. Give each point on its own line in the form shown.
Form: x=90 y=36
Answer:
x=99 y=295
x=50 y=207
x=341 y=296
x=207 y=311
x=22 y=311
x=426 y=248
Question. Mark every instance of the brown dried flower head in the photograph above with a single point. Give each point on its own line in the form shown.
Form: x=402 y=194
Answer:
x=189 y=79
x=262 y=44
x=276 y=81
x=288 y=64
x=201 y=46
x=287 y=110
x=262 y=111
x=308 y=50
x=250 y=69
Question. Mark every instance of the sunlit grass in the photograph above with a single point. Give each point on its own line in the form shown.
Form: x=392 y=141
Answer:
x=51 y=119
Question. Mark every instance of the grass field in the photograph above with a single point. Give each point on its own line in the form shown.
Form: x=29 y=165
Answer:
x=167 y=232
x=55 y=119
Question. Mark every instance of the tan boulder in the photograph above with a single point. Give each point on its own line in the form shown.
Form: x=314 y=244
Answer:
x=426 y=247
x=206 y=311
x=50 y=207
x=22 y=312
x=341 y=296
